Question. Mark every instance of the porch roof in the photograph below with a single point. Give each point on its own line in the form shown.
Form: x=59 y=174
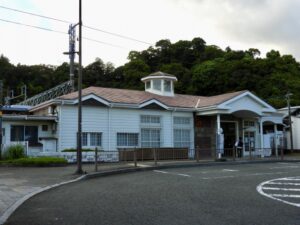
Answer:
x=10 y=117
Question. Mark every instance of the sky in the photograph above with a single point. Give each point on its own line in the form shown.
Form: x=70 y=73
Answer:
x=240 y=24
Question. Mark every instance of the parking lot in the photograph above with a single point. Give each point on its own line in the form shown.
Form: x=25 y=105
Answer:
x=266 y=193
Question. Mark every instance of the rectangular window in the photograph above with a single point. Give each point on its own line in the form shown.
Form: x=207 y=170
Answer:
x=44 y=127
x=17 y=133
x=148 y=85
x=31 y=135
x=248 y=123
x=95 y=139
x=182 y=138
x=148 y=119
x=182 y=120
x=157 y=85
x=167 y=86
x=84 y=139
x=127 y=139
x=91 y=139
x=24 y=133
x=150 y=137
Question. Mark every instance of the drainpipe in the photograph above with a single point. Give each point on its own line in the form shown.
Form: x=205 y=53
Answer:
x=261 y=137
x=217 y=141
x=275 y=139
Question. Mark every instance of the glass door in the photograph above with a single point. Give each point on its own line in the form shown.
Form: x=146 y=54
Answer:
x=249 y=142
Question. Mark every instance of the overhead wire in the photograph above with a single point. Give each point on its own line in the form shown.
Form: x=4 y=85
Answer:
x=61 y=32
x=69 y=22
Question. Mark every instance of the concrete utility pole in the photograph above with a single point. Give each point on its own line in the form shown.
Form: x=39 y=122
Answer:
x=287 y=96
x=72 y=52
x=1 y=97
x=79 y=133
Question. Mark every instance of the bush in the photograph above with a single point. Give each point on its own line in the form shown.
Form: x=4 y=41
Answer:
x=38 y=161
x=14 y=152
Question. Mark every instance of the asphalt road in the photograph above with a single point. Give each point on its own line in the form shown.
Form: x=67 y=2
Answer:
x=216 y=195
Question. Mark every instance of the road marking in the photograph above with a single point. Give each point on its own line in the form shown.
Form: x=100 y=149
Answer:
x=160 y=171
x=229 y=170
x=286 y=196
x=184 y=175
x=278 y=192
x=280 y=183
x=280 y=189
x=284 y=167
x=177 y=174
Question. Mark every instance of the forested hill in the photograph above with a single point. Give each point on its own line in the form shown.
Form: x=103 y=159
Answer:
x=201 y=69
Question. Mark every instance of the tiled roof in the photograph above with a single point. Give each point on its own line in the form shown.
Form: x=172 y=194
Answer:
x=113 y=95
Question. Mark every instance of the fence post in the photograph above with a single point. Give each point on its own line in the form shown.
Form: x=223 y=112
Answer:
x=134 y=157
x=154 y=155
x=96 y=159
x=234 y=152
x=250 y=152
x=281 y=153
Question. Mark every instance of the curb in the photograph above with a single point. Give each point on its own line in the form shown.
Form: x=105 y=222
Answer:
x=92 y=175
x=14 y=206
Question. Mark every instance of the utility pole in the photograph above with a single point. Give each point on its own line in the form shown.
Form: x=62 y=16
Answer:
x=79 y=133
x=71 y=52
x=287 y=96
x=1 y=97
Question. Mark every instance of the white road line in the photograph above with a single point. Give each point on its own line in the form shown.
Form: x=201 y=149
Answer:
x=184 y=175
x=280 y=189
x=176 y=174
x=278 y=197
x=160 y=171
x=291 y=178
x=229 y=170
x=285 y=196
x=280 y=183
x=284 y=167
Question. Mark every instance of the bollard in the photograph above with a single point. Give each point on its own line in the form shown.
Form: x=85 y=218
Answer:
x=197 y=154
x=96 y=159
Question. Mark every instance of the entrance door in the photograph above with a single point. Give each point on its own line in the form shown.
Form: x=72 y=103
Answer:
x=229 y=131
x=249 y=142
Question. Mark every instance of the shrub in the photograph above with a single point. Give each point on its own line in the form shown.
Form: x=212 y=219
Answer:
x=14 y=152
x=38 y=161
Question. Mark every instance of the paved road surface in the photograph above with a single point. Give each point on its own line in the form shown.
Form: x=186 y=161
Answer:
x=217 y=195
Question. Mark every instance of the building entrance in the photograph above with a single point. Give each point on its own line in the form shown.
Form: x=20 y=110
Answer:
x=229 y=131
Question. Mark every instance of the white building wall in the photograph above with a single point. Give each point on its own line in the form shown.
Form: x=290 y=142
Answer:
x=296 y=132
x=6 y=140
x=110 y=121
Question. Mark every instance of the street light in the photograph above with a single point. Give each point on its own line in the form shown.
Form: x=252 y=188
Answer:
x=287 y=96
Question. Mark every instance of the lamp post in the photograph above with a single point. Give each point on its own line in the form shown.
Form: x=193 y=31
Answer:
x=287 y=96
x=79 y=133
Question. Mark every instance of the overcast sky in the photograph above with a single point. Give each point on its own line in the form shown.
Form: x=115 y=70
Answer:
x=240 y=24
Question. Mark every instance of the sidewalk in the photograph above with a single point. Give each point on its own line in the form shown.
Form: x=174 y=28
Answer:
x=18 y=182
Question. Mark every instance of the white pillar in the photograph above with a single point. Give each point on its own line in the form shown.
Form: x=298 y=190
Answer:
x=218 y=130
x=275 y=139
x=261 y=137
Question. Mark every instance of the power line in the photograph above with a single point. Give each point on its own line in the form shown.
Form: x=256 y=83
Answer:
x=61 y=32
x=118 y=35
x=34 y=14
x=69 y=22
x=32 y=26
